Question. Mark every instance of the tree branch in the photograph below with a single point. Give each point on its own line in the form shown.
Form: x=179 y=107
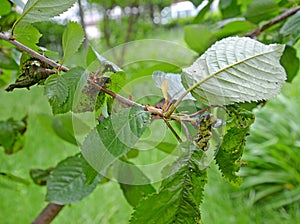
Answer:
x=48 y=214
x=274 y=21
x=34 y=53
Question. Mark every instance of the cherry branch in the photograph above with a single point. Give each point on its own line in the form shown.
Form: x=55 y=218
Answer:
x=34 y=53
x=274 y=21
x=56 y=65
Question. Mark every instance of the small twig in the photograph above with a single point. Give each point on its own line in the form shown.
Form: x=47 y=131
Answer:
x=274 y=21
x=117 y=96
x=206 y=109
x=187 y=133
x=34 y=53
x=48 y=214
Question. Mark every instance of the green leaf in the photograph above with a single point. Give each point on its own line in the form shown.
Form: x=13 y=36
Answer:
x=28 y=35
x=41 y=10
x=236 y=69
x=73 y=37
x=67 y=182
x=133 y=182
x=114 y=137
x=198 y=37
x=291 y=27
x=71 y=80
x=63 y=127
x=56 y=90
x=5 y=7
x=258 y=10
x=229 y=8
x=12 y=135
x=180 y=195
x=232 y=147
x=290 y=62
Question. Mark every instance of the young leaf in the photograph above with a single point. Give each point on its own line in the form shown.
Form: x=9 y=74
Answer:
x=67 y=182
x=73 y=37
x=114 y=137
x=175 y=88
x=41 y=10
x=231 y=149
x=180 y=195
x=56 y=90
x=236 y=69
x=12 y=135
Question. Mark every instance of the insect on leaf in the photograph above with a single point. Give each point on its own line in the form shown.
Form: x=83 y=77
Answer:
x=236 y=69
